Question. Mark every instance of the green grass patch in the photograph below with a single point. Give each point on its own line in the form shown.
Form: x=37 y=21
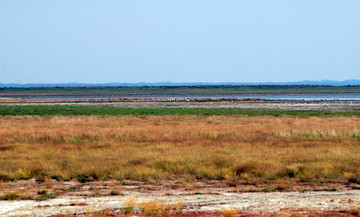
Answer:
x=14 y=196
x=47 y=196
x=326 y=189
x=72 y=188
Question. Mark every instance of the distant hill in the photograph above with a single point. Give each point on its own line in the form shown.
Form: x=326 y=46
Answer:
x=322 y=82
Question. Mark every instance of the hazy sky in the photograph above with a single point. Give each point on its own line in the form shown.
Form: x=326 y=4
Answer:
x=57 y=41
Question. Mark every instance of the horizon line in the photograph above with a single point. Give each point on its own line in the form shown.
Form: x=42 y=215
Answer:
x=170 y=83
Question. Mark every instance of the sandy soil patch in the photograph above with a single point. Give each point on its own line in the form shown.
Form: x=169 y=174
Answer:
x=200 y=198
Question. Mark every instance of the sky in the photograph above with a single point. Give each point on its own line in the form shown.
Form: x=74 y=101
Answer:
x=94 y=41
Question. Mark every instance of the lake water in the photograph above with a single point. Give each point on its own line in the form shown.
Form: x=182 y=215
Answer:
x=306 y=97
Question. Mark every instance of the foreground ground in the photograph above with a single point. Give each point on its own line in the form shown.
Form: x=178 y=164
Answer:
x=203 y=199
x=260 y=164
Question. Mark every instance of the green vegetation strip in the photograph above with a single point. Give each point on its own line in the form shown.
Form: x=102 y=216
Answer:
x=68 y=110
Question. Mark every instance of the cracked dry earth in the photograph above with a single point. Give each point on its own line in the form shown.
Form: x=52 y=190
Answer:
x=199 y=199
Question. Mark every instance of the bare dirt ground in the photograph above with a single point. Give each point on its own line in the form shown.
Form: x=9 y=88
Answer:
x=206 y=198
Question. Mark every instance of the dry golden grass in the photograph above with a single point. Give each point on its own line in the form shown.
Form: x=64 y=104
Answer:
x=160 y=208
x=235 y=148
x=129 y=205
x=229 y=212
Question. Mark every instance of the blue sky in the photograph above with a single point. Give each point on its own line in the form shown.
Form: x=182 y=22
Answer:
x=91 y=41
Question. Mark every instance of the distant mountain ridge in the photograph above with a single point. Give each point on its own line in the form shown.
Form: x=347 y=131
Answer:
x=353 y=82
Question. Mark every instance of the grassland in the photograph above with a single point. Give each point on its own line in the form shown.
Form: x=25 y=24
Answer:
x=237 y=149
